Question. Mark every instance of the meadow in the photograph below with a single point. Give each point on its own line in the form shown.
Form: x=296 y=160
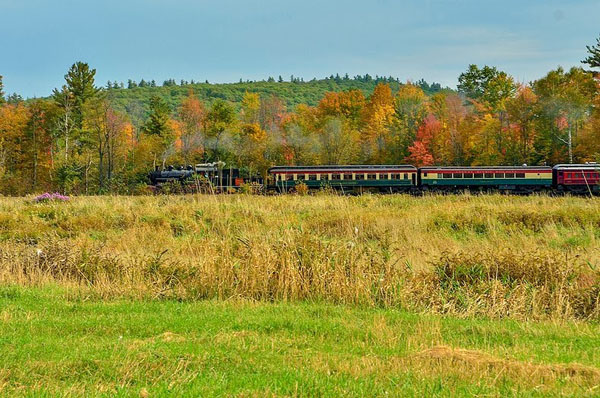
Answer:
x=318 y=295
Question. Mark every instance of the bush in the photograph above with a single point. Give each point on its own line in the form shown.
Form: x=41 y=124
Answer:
x=301 y=189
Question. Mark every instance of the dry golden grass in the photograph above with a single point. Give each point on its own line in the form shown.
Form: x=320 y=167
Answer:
x=498 y=256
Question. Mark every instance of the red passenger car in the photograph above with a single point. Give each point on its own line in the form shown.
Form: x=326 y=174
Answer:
x=580 y=178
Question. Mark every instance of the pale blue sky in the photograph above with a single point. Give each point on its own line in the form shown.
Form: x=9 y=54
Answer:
x=226 y=40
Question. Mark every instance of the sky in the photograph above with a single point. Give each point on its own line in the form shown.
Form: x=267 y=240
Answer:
x=225 y=40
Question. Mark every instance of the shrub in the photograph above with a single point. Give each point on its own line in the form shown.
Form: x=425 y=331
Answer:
x=301 y=189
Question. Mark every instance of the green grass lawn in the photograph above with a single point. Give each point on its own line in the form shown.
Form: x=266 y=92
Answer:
x=55 y=341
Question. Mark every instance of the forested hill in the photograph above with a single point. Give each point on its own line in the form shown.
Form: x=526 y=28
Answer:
x=134 y=97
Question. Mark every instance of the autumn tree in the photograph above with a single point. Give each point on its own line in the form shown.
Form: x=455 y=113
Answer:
x=378 y=116
x=588 y=147
x=339 y=142
x=13 y=123
x=250 y=111
x=219 y=119
x=521 y=112
x=109 y=132
x=564 y=106
x=453 y=145
x=271 y=113
x=38 y=142
x=421 y=150
x=348 y=104
x=410 y=110
x=251 y=144
x=191 y=116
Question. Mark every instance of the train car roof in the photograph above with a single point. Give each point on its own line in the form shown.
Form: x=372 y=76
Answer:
x=586 y=166
x=344 y=167
x=486 y=168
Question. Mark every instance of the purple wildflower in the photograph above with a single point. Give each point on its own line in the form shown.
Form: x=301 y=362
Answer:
x=47 y=197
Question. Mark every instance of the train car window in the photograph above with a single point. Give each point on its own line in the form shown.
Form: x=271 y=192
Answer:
x=289 y=177
x=577 y=175
x=312 y=177
x=406 y=176
x=498 y=175
x=489 y=175
x=347 y=176
x=478 y=175
x=520 y=175
x=447 y=175
x=457 y=175
x=335 y=176
x=468 y=175
x=360 y=176
x=383 y=176
x=510 y=175
x=425 y=174
x=371 y=177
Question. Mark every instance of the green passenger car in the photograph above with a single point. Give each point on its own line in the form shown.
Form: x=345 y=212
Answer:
x=384 y=178
x=513 y=178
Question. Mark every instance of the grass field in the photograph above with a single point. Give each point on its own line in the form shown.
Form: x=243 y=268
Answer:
x=300 y=296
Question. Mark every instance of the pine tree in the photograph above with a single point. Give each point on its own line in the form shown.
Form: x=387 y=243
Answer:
x=593 y=60
x=159 y=117
x=80 y=82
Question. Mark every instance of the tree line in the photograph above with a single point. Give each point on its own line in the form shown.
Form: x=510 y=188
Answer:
x=83 y=140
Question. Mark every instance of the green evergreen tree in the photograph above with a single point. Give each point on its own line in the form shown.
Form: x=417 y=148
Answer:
x=80 y=82
x=593 y=60
x=159 y=117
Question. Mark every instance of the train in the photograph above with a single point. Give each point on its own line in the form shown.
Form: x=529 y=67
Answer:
x=579 y=179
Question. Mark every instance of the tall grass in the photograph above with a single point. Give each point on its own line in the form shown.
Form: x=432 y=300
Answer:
x=532 y=257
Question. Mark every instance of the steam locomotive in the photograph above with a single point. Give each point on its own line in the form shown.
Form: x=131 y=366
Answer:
x=562 y=178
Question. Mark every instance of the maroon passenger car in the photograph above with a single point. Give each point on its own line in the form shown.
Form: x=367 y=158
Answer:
x=580 y=178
